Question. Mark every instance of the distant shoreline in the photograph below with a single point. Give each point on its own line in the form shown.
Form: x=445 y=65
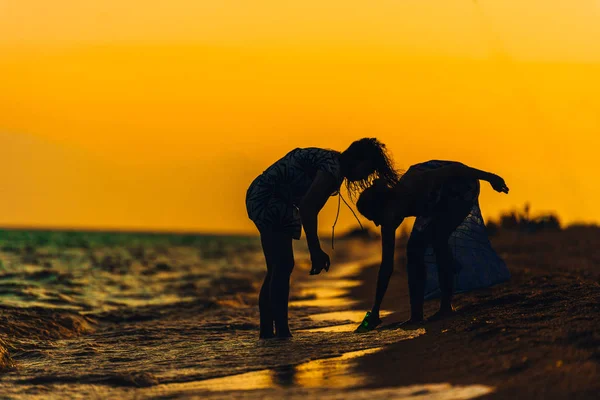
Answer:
x=325 y=235
x=134 y=231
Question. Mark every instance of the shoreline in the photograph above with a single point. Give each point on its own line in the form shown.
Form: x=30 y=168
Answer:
x=335 y=374
x=535 y=336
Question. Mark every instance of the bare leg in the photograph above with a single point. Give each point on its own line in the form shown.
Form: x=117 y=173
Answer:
x=445 y=261
x=264 y=305
x=417 y=275
x=442 y=229
x=264 y=299
x=280 y=284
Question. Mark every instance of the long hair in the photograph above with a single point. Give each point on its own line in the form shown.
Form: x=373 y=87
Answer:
x=383 y=165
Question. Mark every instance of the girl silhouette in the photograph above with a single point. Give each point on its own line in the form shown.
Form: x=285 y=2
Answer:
x=288 y=196
x=443 y=195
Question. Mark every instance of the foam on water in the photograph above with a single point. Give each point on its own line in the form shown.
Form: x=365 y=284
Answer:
x=104 y=279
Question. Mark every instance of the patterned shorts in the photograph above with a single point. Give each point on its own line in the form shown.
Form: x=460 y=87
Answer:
x=271 y=213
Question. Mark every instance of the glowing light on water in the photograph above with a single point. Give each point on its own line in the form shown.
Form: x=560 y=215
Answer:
x=329 y=372
x=355 y=316
x=321 y=378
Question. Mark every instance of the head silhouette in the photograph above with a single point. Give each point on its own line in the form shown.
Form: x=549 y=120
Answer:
x=372 y=201
x=365 y=160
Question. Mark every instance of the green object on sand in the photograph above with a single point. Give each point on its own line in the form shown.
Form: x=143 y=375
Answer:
x=369 y=323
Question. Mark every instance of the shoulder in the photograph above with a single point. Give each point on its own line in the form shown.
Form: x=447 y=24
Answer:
x=317 y=152
x=290 y=155
x=325 y=160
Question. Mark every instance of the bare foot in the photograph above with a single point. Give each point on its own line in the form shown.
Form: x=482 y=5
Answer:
x=284 y=335
x=266 y=335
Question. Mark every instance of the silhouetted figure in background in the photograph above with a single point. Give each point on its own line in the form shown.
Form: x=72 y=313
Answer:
x=441 y=194
x=288 y=196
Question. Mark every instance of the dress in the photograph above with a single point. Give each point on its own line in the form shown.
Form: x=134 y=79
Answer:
x=273 y=197
x=476 y=263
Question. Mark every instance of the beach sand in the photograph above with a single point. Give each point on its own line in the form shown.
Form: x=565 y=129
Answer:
x=536 y=336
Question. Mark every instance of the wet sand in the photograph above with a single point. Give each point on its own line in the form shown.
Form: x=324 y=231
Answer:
x=534 y=337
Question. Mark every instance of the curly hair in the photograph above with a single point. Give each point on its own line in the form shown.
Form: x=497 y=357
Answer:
x=372 y=150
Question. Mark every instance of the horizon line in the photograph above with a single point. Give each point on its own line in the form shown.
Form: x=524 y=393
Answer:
x=130 y=230
x=126 y=230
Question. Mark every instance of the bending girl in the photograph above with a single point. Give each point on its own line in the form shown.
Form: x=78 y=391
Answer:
x=288 y=196
x=441 y=194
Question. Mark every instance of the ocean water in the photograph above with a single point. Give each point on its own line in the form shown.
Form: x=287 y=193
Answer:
x=127 y=274
x=157 y=316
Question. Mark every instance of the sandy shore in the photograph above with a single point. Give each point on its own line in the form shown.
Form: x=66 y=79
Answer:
x=536 y=336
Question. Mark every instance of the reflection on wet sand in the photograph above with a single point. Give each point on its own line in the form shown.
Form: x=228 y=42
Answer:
x=331 y=372
x=323 y=297
x=322 y=378
x=322 y=373
x=329 y=289
x=355 y=316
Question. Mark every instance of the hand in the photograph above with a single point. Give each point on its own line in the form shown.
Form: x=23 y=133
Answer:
x=498 y=183
x=320 y=260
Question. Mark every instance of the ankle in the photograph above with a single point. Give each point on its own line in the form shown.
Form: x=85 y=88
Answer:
x=282 y=331
x=266 y=334
x=284 y=334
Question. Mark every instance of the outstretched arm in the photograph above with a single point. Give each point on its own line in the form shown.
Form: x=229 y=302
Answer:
x=461 y=170
x=388 y=244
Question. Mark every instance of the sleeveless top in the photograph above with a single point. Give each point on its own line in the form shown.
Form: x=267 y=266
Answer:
x=464 y=189
x=273 y=197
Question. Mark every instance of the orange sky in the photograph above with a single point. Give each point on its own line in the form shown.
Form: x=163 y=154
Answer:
x=158 y=114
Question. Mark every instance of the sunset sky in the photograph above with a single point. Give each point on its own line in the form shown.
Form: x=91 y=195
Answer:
x=158 y=114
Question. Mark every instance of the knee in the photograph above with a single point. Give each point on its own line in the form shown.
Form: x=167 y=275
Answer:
x=285 y=265
x=268 y=278
x=281 y=274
